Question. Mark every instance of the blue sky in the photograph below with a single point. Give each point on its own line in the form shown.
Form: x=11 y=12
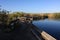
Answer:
x=32 y=6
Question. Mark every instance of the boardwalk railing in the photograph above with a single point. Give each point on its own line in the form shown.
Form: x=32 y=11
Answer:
x=41 y=33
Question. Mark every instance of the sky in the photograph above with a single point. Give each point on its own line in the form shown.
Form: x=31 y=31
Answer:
x=31 y=6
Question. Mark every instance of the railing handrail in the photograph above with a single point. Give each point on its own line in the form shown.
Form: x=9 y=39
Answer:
x=44 y=35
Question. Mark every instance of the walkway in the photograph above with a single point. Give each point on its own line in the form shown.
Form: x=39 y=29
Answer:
x=22 y=31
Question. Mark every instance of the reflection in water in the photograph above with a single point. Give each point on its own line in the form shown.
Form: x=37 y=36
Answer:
x=50 y=26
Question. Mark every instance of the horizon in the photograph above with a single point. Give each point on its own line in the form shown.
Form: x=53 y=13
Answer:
x=31 y=6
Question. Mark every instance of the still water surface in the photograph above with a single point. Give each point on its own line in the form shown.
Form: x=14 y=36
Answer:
x=50 y=26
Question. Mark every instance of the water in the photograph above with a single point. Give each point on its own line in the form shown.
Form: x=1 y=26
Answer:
x=50 y=26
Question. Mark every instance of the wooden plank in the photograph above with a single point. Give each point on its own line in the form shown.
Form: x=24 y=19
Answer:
x=35 y=35
x=46 y=36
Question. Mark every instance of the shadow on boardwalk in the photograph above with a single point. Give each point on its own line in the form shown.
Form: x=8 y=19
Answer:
x=16 y=31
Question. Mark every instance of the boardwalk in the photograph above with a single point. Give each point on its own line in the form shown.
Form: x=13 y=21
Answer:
x=21 y=31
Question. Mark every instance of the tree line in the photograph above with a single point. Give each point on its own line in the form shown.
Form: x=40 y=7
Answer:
x=6 y=17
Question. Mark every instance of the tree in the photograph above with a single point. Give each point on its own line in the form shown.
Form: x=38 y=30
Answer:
x=3 y=16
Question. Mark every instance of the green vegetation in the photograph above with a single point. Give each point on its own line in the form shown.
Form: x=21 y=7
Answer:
x=3 y=16
x=6 y=17
x=57 y=15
